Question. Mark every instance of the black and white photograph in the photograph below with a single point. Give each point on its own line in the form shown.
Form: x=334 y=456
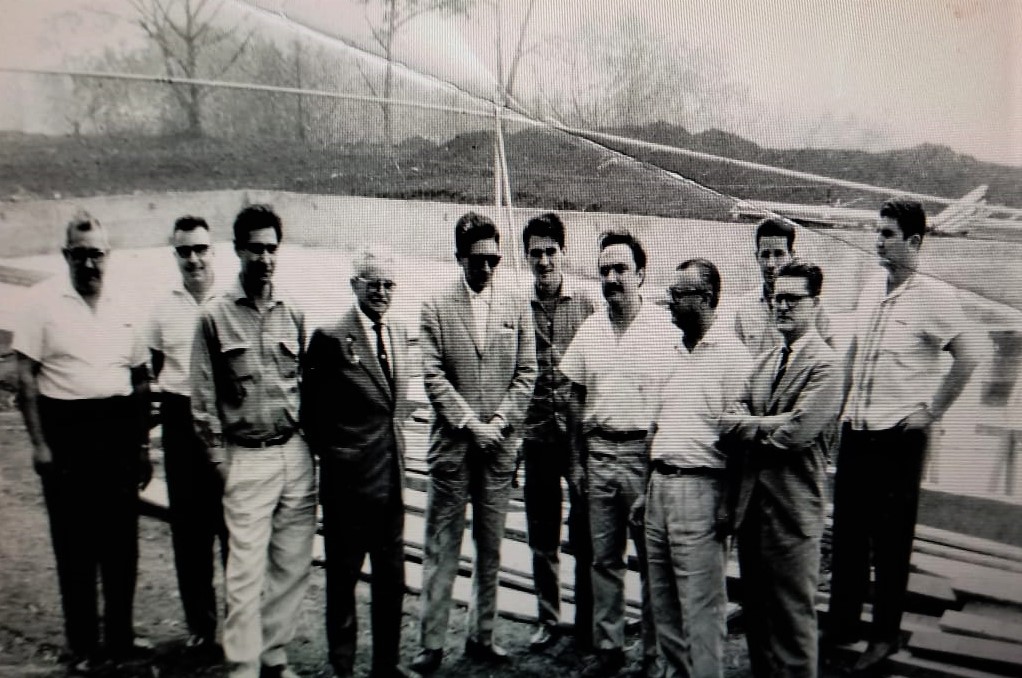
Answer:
x=406 y=338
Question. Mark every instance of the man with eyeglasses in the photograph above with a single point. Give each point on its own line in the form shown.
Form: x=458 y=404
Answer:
x=778 y=424
x=246 y=363
x=354 y=404
x=559 y=308
x=84 y=394
x=754 y=315
x=911 y=358
x=479 y=368
x=193 y=486
x=616 y=366
x=686 y=545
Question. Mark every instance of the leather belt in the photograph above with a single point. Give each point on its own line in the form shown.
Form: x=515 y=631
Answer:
x=663 y=468
x=619 y=436
x=272 y=441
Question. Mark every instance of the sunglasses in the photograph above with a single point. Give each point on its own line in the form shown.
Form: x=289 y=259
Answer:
x=83 y=254
x=186 y=251
x=260 y=248
x=478 y=260
x=680 y=295
x=378 y=283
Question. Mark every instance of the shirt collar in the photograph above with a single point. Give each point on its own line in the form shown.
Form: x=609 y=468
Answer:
x=484 y=296
x=911 y=281
x=717 y=334
x=237 y=293
x=801 y=342
x=367 y=322
x=567 y=291
x=180 y=291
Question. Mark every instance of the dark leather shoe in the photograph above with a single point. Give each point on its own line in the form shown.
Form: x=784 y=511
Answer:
x=544 y=637
x=396 y=671
x=870 y=661
x=603 y=664
x=485 y=652
x=427 y=661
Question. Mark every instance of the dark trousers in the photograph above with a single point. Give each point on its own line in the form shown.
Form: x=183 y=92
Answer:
x=546 y=462
x=352 y=528
x=876 y=498
x=196 y=514
x=92 y=499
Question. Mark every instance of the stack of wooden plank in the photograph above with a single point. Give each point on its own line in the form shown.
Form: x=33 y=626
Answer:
x=964 y=615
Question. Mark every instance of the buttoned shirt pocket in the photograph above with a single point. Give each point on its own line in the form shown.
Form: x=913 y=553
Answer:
x=240 y=371
x=286 y=356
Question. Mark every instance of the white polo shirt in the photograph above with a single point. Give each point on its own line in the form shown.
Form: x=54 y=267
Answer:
x=700 y=387
x=171 y=331
x=900 y=340
x=622 y=375
x=84 y=353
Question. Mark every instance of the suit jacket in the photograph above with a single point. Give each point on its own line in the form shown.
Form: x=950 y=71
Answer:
x=786 y=462
x=349 y=410
x=463 y=378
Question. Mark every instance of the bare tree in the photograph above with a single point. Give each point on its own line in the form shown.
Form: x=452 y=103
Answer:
x=395 y=16
x=186 y=33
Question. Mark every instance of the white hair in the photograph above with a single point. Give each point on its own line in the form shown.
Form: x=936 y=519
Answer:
x=372 y=257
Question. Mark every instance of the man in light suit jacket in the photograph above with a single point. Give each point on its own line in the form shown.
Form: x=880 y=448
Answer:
x=354 y=401
x=479 y=367
x=790 y=399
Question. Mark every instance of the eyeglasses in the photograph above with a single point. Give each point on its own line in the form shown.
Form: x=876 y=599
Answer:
x=186 y=251
x=478 y=260
x=378 y=283
x=789 y=299
x=682 y=294
x=82 y=254
x=260 y=248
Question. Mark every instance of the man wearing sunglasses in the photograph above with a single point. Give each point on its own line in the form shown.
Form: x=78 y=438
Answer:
x=685 y=542
x=246 y=361
x=84 y=393
x=479 y=368
x=354 y=404
x=193 y=486
x=778 y=424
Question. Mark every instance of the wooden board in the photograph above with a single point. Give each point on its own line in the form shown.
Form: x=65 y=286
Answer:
x=980 y=626
x=951 y=553
x=978 y=653
x=969 y=543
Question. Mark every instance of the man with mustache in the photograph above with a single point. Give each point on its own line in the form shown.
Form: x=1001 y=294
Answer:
x=558 y=308
x=354 y=404
x=778 y=425
x=84 y=393
x=479 y=368
x=616 y=365
x=686 y=546
x=901 y=385
x=193 y=486
x=246 y=361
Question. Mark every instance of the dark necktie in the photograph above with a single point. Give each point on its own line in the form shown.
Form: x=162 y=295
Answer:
x=381 y=353
x=782 y=367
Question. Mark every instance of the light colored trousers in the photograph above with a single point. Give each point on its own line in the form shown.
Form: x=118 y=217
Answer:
x=451 y=487
x=687 y=573
x=617 y=477
x=270 y=510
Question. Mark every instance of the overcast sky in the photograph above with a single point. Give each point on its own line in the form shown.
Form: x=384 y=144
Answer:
x=847 y=73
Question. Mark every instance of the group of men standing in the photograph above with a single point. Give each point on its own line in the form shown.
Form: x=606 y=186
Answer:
x=676 y=429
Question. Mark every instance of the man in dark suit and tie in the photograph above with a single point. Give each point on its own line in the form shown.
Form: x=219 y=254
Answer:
x=479 y=367
x=790 y=399
x=354 y=400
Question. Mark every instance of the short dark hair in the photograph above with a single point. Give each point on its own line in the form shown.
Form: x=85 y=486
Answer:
x=470 y=229
x=256 y=218
x=190 y=223
x=624 y=237
x=804 y=269
x=775 y=228
x=547 y=225
x=710 y=275
x=908 y=213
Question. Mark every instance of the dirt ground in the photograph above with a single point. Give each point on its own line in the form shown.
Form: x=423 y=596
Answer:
x=31 y=623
